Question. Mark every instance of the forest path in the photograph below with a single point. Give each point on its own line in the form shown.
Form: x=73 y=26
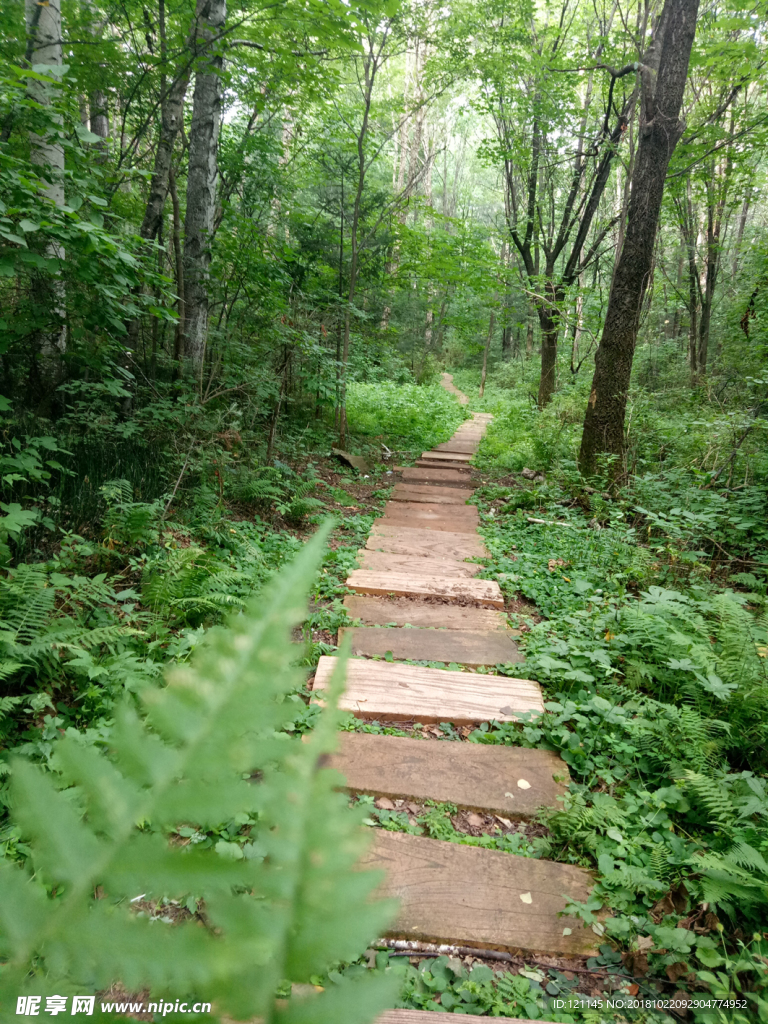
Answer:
x=419 y=602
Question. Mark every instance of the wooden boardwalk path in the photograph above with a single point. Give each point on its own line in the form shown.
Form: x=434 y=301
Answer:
x=419 y=599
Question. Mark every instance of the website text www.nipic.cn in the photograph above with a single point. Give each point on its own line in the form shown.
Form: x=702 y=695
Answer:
x=36 y=1006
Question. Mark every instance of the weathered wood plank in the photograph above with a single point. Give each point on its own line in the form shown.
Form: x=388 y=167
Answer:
x=436 y=456
x=458 y=447
x=509 y=781
x=429 y=521
x=463 y=646
x=389 y=691
x=403 y=611
x=483 y=592
x=486 y=898
x=429 y=464
x=434 y=495
x=420 y=475
x=407 y=540
x=384 y=561
x=464 y=514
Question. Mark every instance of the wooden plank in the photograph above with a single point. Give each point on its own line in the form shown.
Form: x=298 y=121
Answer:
x=428 y=1017
x=470 y=896
x=484 y=592
x=403 y=611
x=462 y=646
x=389 y=691
x=384 y=561
x=435 y=456
x=458 y=447
x=418 y=474
x=429 y=521
x=431 y=495
x=509 y=781
x=464 y=513
x=406 y=540
x=430 y=464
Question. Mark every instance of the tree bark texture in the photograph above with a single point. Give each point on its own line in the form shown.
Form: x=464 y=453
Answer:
x=660 y=131
x=201 y=181
x=43 y=26
x=488 y=340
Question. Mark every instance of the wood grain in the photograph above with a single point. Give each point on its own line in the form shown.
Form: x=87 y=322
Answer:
x=384 y=561
x=435 y=456
x=403 y=611
x=419 y=475
x=469 y=896
x=472 y=648
x=483 y=592
x=433 y=495
x=408 y=540
x=475 y=776
x=388 y=691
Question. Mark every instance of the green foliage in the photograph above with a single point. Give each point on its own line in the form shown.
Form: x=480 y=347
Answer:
x=415 y=417
x=207 y=746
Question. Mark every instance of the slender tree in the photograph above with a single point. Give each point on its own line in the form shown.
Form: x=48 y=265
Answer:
x=663 y=76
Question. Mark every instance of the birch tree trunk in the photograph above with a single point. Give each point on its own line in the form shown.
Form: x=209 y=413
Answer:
x=43 y=25
x=660 y=131
x=201 y=181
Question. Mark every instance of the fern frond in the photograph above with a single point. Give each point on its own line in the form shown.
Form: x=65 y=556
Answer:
x=216 y=724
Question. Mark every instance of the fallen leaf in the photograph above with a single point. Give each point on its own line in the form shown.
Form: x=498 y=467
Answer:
x=475 y=820
x=636 y=962
x=526 y=897
x=522 y=784
x=644 y=942
x=384 y=804
x=675 y=971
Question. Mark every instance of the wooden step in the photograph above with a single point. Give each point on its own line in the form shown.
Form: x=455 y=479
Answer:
x=463 y=646
x=486 y=898
x=483 y=592
x=434 y=495
x=403 y=611
x=384 y=561
x=406 y=540
x=463 y=512
x=435 y=456
x=458 y=447
x=440 y=524
x=509 y=781
x=389 y=691
x=419 y=475
x=458 y=466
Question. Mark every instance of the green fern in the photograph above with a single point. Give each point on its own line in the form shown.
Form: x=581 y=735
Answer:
x=191 y=759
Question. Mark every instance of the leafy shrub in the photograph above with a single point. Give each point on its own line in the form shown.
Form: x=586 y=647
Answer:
x=207 y=747
x=416 y=416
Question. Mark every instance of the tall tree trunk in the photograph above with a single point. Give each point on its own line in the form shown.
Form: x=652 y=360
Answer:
x=549 y=320
x=660 y=130
x=488 y=340
x=43 y=25
x=201 y=181
x=100 y=121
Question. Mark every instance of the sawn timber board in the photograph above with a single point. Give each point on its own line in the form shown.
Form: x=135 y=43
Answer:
x=510 y=781
x=483 y=592
x=486 y=898
x=420 y=475
x=403 y=611
x=384 y=561
x=436 y=456
x=388 y=691
x=431 y=495
x=446 y=523
x=460 y=646
x=407 y=540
